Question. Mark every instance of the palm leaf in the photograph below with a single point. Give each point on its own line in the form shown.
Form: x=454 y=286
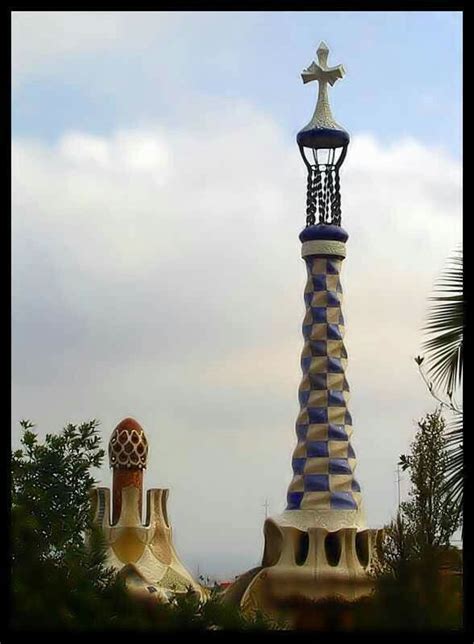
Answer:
x=443 y=346
x=443 y=349
x=454 y=473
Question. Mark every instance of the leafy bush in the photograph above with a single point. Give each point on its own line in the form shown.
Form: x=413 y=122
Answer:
x=58 y=581
x=418 y=580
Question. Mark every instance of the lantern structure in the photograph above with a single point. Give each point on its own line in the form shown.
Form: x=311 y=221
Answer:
x=323 y=146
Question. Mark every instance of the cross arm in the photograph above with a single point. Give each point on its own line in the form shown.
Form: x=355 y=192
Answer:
x=329 y=75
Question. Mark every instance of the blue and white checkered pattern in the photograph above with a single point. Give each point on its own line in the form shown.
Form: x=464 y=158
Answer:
x=323 y=461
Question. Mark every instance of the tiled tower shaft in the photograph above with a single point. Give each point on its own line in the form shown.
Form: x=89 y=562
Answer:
x=323 y=460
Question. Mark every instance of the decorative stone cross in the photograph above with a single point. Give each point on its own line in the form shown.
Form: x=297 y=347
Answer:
x=322 y=117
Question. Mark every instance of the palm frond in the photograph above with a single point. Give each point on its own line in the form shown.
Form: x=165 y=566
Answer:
x=444 y=356
x=455 y=468
x=443 y=346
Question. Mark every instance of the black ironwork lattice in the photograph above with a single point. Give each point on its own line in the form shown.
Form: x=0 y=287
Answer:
x=323 y=193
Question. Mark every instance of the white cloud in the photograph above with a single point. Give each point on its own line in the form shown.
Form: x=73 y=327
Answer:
x=50 y=37
x=157 y=273
x=126 y=153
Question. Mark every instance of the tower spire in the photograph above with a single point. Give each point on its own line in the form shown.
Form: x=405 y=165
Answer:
x=323 y=461
x=318 y=546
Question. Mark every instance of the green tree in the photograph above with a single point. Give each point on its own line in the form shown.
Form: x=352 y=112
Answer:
x=56 y=580
x=59 y=578
x=51 y=478
x=444 y=359
x=413 y=590
x=444 y=343
x=397 y=547
x=430 y=514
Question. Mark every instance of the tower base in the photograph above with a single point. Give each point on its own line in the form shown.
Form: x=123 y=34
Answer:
x=304 y=566
x=143 y=553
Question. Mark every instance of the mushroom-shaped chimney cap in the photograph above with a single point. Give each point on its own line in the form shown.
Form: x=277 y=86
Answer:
x=128 y=446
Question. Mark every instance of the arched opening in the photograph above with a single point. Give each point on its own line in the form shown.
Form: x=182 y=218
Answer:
x=302 y=547
x=362 y=548
x=332 y=546
x=273 y=544
x=164 y=509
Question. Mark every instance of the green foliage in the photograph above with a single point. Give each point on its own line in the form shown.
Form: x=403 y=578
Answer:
x=430 y=515
x=50 y=479
x=60 y=582
x=188 y=612
x=417 y=596
x=444 y=343
x=418 y=582
x=56 y=580
x=455 y=469
x=444 y=352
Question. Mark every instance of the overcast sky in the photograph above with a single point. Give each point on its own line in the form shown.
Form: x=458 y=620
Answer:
x=158 y=194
